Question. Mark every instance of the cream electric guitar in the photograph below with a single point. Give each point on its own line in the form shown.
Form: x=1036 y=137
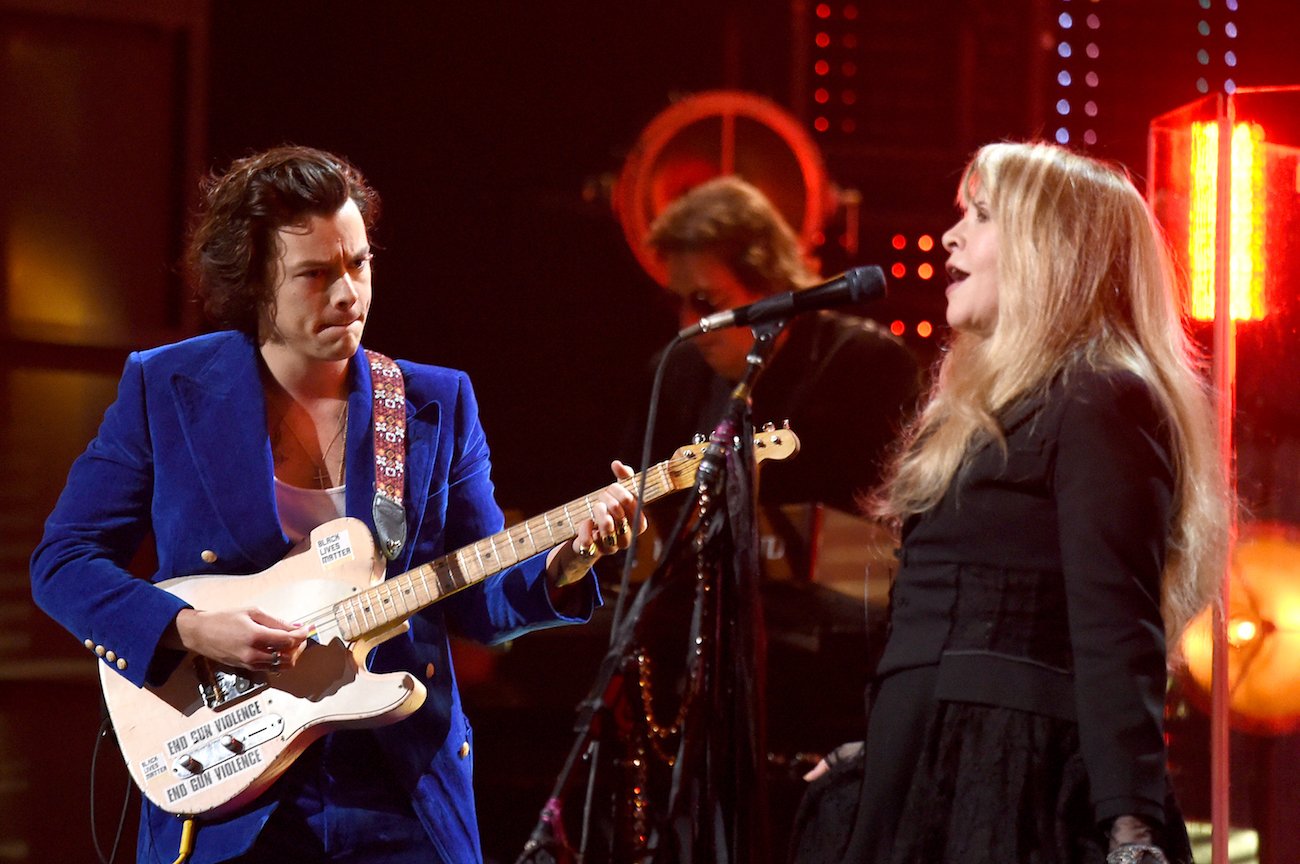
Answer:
x=212 y=738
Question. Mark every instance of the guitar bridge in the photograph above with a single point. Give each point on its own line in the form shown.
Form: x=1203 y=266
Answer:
x=220 y=687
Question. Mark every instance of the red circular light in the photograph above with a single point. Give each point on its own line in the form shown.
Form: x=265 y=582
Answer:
x=821 y=124
x=822 y=95
x=924 y=329
x=899 y=241
x=898 y=328
x=925 y=242
x=823 y=39
x=898 y=270
x=823 y=10
x=925 y=271
x=821 y=67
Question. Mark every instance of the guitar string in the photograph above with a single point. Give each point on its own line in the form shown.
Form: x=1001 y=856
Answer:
x=654 y=486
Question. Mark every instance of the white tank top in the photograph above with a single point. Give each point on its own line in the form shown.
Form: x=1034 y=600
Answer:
x=303 y=509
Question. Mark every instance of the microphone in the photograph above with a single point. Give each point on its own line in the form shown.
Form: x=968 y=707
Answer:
x=853 y=286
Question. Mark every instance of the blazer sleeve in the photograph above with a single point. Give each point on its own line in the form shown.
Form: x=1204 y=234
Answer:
x=78 y=570
x=1114 y=487
x=516 y=600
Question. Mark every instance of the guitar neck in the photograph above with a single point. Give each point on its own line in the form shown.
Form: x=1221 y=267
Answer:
x=394 y=600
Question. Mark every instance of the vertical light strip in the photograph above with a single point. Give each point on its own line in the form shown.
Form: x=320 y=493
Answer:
x=1247 y=262
x=1246 y=251
x=1201 y=219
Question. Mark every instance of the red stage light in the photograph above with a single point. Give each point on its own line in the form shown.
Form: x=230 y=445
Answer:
x=1247 y=262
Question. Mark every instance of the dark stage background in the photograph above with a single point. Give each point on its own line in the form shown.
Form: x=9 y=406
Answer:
x=490 y=129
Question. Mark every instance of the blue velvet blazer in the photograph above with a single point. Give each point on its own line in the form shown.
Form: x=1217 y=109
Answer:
x=183 y=452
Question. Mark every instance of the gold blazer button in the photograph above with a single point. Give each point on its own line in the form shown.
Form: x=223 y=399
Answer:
x=208 y=556
x=464 y=749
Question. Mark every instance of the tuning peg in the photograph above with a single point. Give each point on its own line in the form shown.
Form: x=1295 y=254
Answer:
x=769 y=426
x=699 y=438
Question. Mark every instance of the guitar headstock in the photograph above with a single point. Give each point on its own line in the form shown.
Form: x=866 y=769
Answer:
x=773 y=443
x=769 y=443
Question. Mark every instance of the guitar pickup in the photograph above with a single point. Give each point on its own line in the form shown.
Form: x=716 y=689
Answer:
x=220 y=687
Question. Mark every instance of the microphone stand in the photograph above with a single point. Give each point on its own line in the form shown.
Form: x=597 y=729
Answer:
x=601 y=698
x=718 y=776
x=730 y=433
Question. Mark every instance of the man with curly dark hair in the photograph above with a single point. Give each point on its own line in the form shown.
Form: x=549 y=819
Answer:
x=232 y=448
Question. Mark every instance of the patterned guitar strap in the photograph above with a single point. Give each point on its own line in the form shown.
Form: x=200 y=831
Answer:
x=390 y=453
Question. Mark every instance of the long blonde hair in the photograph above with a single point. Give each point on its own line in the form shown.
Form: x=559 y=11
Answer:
x=1084 y=280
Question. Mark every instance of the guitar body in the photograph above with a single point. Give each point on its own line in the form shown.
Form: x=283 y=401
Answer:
x=192 y=751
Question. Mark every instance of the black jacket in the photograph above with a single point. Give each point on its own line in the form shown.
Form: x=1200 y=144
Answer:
x=1035 y=583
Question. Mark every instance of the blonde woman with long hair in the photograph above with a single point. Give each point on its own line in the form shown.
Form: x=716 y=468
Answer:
x=1063 y=517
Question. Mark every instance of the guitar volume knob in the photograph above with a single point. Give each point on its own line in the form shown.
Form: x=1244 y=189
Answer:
x=192 y=765
x=231 y=743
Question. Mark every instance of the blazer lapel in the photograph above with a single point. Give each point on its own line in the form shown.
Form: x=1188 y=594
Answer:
x=223 y=418
x=422 y=439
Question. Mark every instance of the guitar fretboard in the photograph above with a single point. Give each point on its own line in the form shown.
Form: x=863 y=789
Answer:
x=396 y=599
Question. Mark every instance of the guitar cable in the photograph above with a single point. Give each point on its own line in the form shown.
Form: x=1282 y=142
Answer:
x=187 y=827
x=104 y=726
x=187 y=840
